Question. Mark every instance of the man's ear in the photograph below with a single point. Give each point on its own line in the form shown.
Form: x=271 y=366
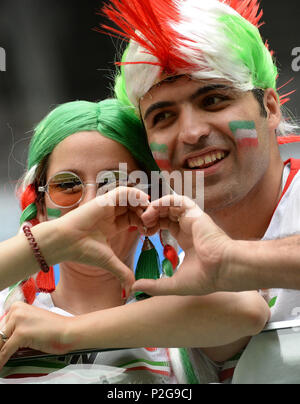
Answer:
x=272 y=107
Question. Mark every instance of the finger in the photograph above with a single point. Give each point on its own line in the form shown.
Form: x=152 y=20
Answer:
x=182 y=203
x=121 y=210
x=172 y=206
x=138 y=211
x=123 y=197
x=9 y=348
x=136 y=221
x=1 y=343
x=167 y=200
x=172 y=213
x=162 y=224
x=175 y=213
x=122 y=272
x=133 y=197
x=3 y=320
x=130 y=219
x=159 y=287
x=150 y=216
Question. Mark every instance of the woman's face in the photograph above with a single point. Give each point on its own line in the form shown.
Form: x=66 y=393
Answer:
x=87 y=154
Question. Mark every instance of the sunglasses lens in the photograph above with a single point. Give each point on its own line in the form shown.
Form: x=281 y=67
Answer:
x=65 y=189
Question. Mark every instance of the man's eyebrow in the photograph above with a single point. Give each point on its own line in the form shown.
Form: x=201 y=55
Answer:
x=200 y=91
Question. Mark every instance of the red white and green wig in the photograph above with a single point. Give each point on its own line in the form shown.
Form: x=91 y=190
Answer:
x=205 y=39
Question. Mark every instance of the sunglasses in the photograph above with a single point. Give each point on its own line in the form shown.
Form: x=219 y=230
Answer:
x=66 y=189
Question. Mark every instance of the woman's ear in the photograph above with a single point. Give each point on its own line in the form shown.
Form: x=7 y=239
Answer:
x=272 y=107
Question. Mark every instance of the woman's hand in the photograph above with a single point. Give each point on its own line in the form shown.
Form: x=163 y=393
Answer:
x=84 y=233
x=27 y=326
x=203 y=242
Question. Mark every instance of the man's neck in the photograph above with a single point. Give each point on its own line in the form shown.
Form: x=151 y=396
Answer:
x=250 y=217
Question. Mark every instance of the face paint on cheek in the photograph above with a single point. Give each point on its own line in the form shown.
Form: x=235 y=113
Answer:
x=161 y=155
x=245 y=133
x=53 y=213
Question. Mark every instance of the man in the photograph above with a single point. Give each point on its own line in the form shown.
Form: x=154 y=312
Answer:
x=204 y=84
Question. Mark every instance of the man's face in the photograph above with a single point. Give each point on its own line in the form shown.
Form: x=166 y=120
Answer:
x=208 y=126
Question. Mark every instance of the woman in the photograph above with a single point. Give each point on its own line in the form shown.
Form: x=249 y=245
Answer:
x=75 y=152
x=107 y=117
x=224 y=318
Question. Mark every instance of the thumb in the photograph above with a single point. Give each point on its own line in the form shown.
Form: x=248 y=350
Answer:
x=205 y=226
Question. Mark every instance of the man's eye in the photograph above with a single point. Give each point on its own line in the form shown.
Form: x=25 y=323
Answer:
x=162 y=116
x=213 y=100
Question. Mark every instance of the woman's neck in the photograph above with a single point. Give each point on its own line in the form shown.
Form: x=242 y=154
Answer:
x=83 y=289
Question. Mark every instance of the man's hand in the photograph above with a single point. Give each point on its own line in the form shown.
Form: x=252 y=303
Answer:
x=203 y=242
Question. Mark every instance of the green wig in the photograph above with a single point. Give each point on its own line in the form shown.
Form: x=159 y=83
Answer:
x=110 y=117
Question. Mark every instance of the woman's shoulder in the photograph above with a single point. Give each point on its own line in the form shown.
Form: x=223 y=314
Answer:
x=43 y=301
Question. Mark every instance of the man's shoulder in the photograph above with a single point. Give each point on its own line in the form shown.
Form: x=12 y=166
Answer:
x=286 y=217
x=293 y=180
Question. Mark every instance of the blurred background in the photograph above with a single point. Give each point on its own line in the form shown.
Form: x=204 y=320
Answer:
x=53 y=55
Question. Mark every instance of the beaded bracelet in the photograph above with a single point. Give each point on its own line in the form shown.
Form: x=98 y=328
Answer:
x=35 y=248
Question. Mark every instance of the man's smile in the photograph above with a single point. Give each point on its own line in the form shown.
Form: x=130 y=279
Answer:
x=205 y=159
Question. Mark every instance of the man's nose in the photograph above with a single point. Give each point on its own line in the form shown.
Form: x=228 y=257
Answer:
x=192 y=125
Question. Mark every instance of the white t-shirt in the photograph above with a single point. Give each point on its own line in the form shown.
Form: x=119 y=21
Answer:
x=274 y=357
x=285 y=222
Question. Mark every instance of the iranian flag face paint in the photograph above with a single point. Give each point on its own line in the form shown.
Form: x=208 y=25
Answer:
x=53 y=213
x=244 y=133
x=161 y=156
